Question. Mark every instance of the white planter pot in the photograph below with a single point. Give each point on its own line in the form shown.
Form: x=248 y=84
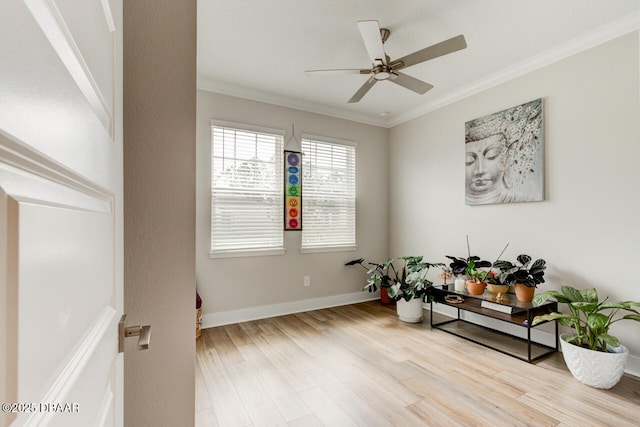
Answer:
x=410 y=311
x=594 y=368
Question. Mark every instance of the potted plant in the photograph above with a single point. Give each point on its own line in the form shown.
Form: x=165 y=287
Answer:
x=470 y=267
x=592 y=355
x=477 y=278
x=411 y=288
x=525 y=275
x=378 y=275
x=407 y=285
x=495 y=286
x=459 y=265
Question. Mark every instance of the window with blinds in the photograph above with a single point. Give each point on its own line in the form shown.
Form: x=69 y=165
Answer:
x=328 y=194
x=246 y=190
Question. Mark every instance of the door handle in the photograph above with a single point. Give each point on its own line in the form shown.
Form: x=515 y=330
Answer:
x=142 y=332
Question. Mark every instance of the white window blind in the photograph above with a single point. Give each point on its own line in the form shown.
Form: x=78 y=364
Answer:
x=246 y=189
x=328 y=193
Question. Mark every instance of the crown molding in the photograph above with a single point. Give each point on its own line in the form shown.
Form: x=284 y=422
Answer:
x=587 y=41
x=579 y=44
x=283 y=101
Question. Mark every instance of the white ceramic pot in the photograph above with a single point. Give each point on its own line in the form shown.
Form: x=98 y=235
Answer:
x=594 y=368
x=410 y=311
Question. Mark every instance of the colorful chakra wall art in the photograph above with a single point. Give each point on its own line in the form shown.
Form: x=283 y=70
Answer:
x=292 y=190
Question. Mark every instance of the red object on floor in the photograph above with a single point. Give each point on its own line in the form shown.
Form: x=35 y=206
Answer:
x=384 y=296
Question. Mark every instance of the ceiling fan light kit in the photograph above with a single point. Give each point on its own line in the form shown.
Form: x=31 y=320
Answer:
x=382 y=72
x=383 y=68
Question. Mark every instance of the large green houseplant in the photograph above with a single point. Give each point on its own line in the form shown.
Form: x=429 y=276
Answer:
x=411 y=282
x=405 y=283
x=593 y=356
x=412 y=288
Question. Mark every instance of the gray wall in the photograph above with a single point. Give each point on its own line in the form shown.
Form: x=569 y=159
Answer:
x=251 y=286
x=159 y=214
x=587 y=228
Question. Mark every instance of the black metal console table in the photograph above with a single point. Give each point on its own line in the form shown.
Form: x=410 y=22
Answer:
x=508 y=310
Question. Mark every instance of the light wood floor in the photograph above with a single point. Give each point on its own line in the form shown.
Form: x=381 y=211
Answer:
x=358 y=365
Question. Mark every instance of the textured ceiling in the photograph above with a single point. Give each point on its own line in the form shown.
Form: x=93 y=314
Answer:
x=260 y=49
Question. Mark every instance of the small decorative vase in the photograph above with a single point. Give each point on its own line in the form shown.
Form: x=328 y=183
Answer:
x=475 y=288
x=524 y=293
x=410 y=311
x=598 y=369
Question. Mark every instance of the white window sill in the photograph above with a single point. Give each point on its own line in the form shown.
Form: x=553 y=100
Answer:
x=242 y=253
x=328 y=249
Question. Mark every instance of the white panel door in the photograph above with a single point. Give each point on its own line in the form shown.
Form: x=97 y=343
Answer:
x=60 y=212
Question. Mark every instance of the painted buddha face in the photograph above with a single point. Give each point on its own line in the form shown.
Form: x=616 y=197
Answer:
x=484 y=164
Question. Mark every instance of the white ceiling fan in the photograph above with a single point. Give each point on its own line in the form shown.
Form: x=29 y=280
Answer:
x=383 y=68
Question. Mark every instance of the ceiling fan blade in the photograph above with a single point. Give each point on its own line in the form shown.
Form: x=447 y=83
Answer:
x=337 y=71
x=363 y=90
x=370 y=31
x=411 y=83
x=439 y=49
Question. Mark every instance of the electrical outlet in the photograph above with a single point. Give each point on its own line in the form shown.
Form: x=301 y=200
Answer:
x=307 y=280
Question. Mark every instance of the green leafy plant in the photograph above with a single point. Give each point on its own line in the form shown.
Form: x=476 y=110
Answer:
x=461 y=265
x=379 y=274
x=406 y=282
x=471 y=266
x=589 y=317
x=525 y=271
x=494 y=277
x=412 y=282
x=473 y=271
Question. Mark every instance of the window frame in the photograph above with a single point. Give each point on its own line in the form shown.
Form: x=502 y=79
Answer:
x=278 y=182
x=352 y=246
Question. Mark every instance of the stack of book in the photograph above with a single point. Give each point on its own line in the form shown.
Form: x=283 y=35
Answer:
x=499 y=307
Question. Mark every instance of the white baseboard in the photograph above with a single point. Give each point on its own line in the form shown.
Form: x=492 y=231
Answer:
x=209 y=320
x=633 y=366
